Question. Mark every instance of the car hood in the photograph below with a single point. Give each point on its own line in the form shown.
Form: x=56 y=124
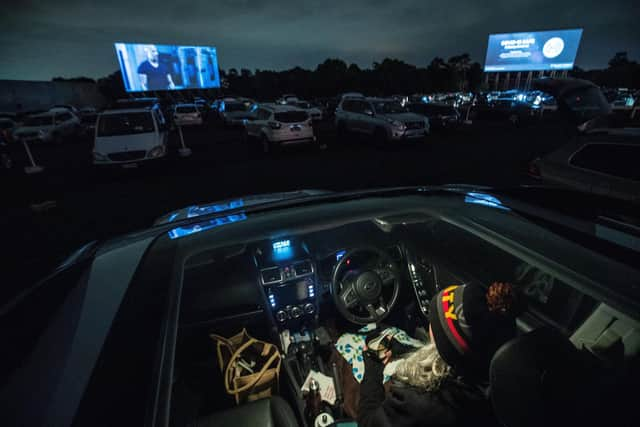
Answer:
x=29 y=129
x=236 y=114
x=114 y=144
x=403 y=117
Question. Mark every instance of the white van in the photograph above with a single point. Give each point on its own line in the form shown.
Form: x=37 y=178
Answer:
x=130 y=135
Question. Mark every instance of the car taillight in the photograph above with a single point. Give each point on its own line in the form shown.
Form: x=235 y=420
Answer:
x=274 y=125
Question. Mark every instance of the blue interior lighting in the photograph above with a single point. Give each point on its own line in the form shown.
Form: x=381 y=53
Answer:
x=281 y=244
x=484 y=200
x=195 y=211
x=340 y=254
x=196 y=228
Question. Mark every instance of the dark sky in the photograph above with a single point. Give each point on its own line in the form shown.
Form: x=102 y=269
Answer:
x=42 y=39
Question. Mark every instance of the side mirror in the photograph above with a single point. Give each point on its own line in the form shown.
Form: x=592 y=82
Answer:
x=368 y=113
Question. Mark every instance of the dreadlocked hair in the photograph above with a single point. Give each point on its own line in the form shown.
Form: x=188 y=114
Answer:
x=503 y=299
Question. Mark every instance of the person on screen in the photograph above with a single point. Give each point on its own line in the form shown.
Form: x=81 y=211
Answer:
x=153 y=74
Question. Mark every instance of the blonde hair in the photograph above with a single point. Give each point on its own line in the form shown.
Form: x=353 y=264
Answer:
x=423 y=368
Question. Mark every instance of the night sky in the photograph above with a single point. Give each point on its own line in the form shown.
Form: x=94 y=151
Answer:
x=69 y=38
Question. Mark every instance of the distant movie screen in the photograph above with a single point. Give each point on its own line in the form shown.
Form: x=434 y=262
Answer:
x=541 y=50
x=153 y=67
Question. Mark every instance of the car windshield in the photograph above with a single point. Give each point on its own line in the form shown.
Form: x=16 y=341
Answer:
x=235 y=106
x=191 y=125
x=88 y=118
x=125 y=124
x=186 y=109
x=39 y=121
x=291 y=116
x=389 y=107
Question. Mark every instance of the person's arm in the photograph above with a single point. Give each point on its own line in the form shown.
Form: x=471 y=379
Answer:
x=370 y=412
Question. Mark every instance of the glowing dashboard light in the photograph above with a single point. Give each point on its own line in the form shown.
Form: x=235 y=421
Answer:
x=312 y=291
x=340 y=254
x=485 y=200
x=195 y=211
x=282 y=244
x=272 y=300
x=348 y=261
x=172 y=217
x=206 y=225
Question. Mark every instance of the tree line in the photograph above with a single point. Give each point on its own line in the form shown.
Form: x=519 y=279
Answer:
x=391 y=76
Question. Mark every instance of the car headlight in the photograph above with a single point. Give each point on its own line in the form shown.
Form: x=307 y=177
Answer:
x=157 y=152
x=99 y=157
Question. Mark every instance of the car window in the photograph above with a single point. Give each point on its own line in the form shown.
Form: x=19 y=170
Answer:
x=620 y=160
x=186 y=109
x=547 y=297
x=234 y=106
x=389 y=107
x=263 y=114
x=358 y=106
x=125 y=124
x=39 y=121
x=62 y=117
x=346 y=105
x=291 y=116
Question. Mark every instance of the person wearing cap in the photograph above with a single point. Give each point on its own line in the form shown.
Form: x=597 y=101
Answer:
x=444 y=382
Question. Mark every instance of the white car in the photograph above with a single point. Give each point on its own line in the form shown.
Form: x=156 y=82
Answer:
x=186 y=115
x=53 y=126
x=129 y=136
x=279 y=125
x=314 y=112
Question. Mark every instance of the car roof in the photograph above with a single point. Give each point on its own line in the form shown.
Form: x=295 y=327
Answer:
x=45 y=114
x=59 y=110
x=280 y=108
x=125 y=111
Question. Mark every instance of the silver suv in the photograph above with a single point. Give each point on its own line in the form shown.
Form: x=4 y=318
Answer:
x=384 y=119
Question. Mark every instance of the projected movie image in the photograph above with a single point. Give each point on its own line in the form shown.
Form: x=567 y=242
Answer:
x=541 y=50
x=156 y=67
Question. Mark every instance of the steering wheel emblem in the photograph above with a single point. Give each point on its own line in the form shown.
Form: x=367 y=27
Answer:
x=369 y=286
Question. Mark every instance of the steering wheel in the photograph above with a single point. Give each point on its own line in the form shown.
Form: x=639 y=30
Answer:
x=359 y=283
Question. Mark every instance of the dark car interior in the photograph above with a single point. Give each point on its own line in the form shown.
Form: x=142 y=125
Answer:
x=302 y=291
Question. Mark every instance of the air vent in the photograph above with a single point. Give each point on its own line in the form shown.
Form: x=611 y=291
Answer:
x=271 y=275
x=303 y=268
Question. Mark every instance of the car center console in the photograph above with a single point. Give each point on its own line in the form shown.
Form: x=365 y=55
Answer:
x=287 y=275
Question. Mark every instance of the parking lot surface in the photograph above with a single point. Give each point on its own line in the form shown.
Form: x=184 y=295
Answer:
x=73 y=202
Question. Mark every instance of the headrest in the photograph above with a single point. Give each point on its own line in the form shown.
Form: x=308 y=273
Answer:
x=535 y=380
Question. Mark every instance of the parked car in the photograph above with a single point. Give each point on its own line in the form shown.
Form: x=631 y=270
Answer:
x=288 y=98
x=600 y=164
x=187 y=115
x=314 y=112
x=120 y=332
x=276 y=125
x=54 y=126
x=88 y=119
x=383 y=119
x=234 y=112
x=130 y=135
x=7 y=127
x=441 y=116
x=69 y=107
